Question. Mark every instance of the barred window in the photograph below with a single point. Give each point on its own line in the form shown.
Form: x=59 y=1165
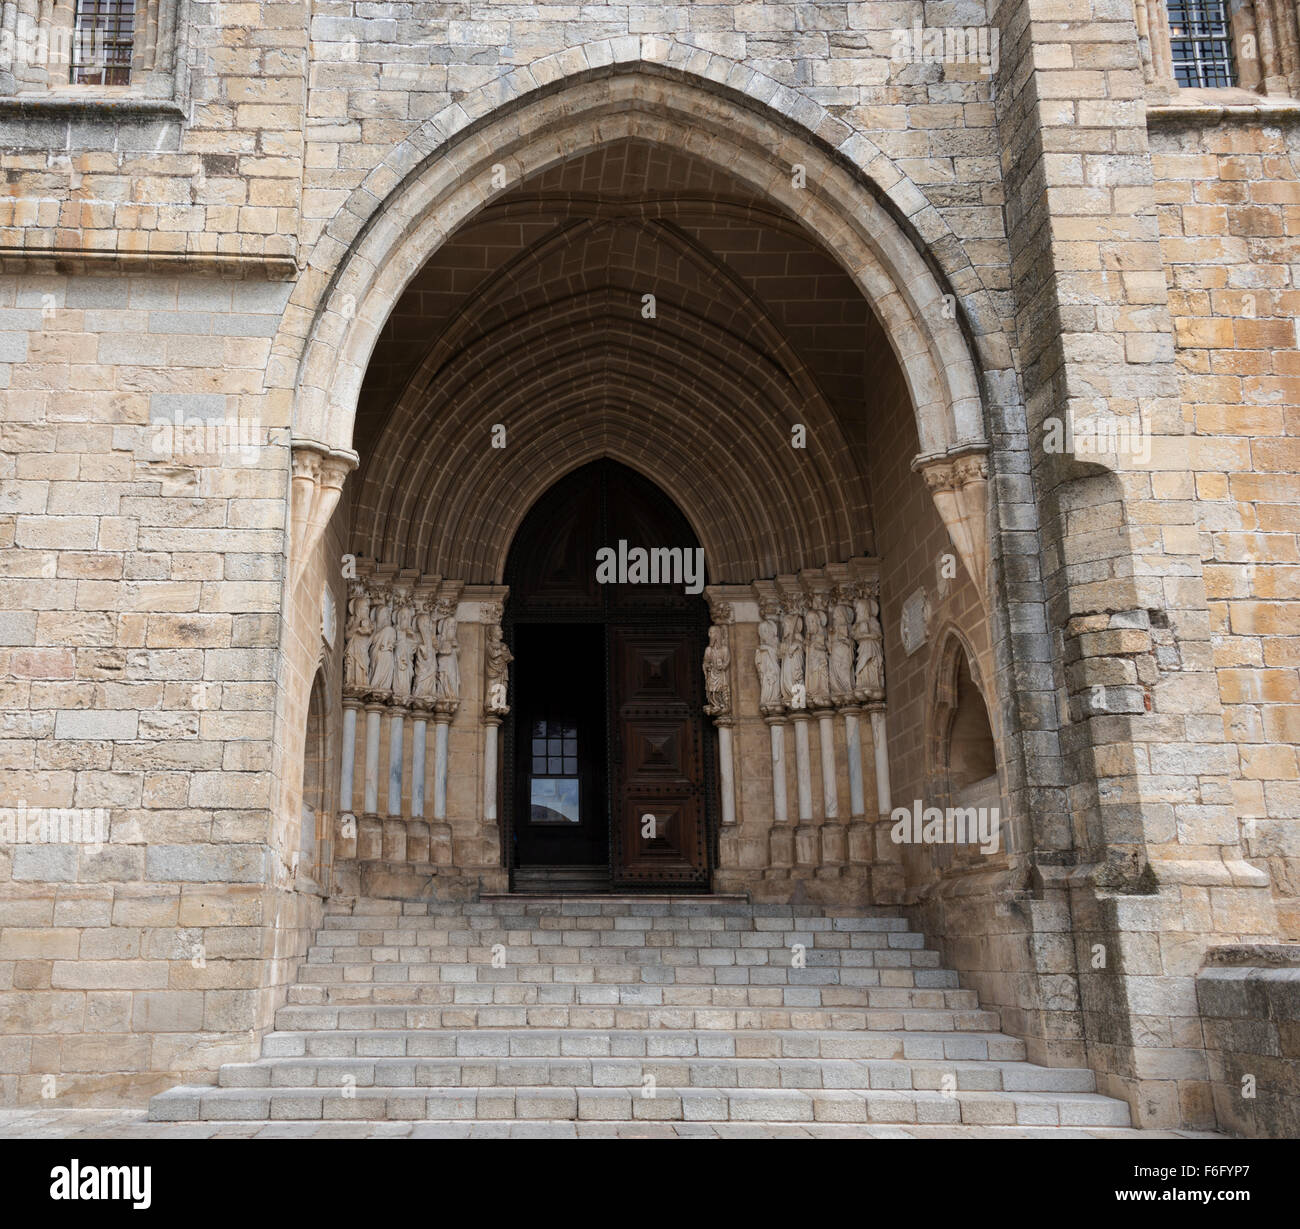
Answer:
x=1201 y=42
x=103 y=42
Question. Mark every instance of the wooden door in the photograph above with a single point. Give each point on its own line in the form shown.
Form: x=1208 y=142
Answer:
x=658 y=771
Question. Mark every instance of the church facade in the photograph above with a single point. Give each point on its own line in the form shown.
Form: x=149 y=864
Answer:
x=832 y=455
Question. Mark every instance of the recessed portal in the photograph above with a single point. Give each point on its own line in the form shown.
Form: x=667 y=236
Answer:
x=609 y=763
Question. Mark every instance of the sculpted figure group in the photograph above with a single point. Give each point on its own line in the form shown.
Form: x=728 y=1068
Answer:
x=401 y=649
x=809 y=656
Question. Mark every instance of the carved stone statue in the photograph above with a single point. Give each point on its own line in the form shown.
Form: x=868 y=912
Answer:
x=817 y=668
x=841 y=652
x=404 y=651
x=790 y=652
x=356 y=651
x=448 y=659
x=383 y=652
x=869 y=677
x=425 y=688
x=497 y=658
x=717 y=661
x=768 y=664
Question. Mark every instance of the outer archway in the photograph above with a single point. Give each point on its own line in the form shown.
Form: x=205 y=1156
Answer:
x=378 y=245
x=799 y=569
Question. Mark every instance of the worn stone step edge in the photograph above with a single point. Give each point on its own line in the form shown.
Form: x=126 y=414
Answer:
x=204 y=1102
x=636 y=1043
x=861 y=976
x=733 y=977
x=696 y=1072
x=532 y=923
x=544 y=954
x=682 y=994
x=628 y=1017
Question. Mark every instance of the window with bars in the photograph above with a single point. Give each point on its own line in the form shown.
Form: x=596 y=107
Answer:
x=554 y=783
x=1200 y=38
x=103 y=42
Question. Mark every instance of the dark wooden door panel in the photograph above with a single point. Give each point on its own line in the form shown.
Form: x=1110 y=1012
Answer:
x=659 y=751
x=658 y=779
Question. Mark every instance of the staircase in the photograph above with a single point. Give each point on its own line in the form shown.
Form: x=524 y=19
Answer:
x=628 y=1009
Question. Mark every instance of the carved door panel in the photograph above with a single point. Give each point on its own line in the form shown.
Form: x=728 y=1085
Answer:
x=658 y=778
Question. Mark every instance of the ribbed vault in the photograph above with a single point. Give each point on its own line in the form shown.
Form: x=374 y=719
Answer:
x=535 y=318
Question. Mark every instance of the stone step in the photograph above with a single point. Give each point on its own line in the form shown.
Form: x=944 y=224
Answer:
x=645 y=994
x=608 y=924
x=603 y=906
x=559 y=989
x=625 y=1016
x=885 y=950
x=206 y=1103
x=630 y=1043
x=580 y=1072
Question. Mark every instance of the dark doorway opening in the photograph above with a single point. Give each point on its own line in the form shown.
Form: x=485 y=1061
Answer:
x=609 y=761
x=559 y=777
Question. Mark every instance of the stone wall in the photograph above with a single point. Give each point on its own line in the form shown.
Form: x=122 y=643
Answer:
x=1249 y=999
x=157 y=655
x=1229 y=214
x=143 y=552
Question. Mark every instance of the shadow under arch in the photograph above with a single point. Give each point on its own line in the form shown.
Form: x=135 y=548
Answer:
x=965 y=748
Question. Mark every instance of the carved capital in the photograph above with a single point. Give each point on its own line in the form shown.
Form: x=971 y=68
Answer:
x=318 y=476
x=958 y=482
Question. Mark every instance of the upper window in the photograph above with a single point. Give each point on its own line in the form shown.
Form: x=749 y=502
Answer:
x=103 y=42
x=1219 y=45
x=1200 y=38
x=76 y=49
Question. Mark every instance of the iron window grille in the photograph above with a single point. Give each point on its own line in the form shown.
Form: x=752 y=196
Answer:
x=103 y=42
x=1200 y=39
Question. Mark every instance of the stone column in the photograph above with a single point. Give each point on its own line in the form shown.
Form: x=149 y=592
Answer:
x=492 y=726
x=830 y=783
x=441 y=723
x=853 y=747
x=347 y=769
x=861 y=833
x=419 y=740
x=781 y=835
x=780 y=790
x=880 y=741
x=727 y=770
x=805 y=837
x=717 y=692
x=833 y=833
x=370 y=803
x=396 y=724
